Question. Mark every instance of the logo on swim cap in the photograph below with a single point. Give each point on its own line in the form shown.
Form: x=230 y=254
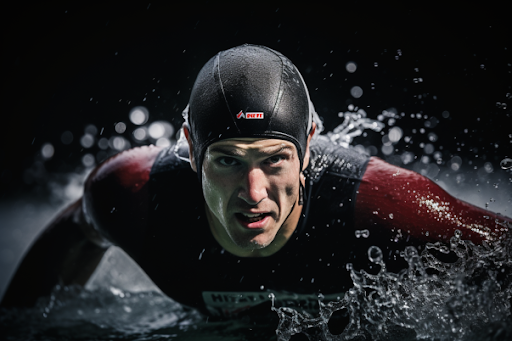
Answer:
x=250 y=115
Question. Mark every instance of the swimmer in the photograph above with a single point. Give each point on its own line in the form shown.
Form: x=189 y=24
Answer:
x=250 y=201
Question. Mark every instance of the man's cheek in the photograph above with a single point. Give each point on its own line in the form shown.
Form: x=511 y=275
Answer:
x=290 y=190
x=214 y=195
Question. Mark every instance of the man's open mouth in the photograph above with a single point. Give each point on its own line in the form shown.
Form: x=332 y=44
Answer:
x=251 y=218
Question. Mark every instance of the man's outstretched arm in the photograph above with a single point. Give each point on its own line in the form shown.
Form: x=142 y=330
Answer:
x=70 y=248
x=408 y=204
x=61 y=254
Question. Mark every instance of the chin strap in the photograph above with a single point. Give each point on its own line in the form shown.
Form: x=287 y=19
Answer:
x=301 y=191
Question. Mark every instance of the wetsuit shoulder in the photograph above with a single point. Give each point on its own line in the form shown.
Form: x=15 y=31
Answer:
x=333 y=174
x=328 y=157
x=116 y=195
x=332 y=180
x=129 y=169
x=407 y=204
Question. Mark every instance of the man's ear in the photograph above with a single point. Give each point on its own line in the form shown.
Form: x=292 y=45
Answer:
x=306 y=155
x=186 y=131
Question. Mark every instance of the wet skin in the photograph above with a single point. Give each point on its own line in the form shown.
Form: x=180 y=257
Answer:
x=246 y=177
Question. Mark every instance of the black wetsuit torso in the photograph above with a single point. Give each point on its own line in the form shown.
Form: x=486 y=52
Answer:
x=184 y=260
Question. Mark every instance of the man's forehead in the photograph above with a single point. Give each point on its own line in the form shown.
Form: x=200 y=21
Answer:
x=252 y=144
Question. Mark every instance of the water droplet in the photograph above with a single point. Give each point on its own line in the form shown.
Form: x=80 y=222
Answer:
x=375 y=254
x=506 y=163
x=501 y=105
x=444 y=249
x=391 y=216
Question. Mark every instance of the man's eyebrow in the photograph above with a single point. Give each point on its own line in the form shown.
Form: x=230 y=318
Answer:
x=233 y=151
x=227 y=150
x=277 y=149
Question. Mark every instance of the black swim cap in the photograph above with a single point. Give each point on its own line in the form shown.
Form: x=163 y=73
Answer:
x=248 y=91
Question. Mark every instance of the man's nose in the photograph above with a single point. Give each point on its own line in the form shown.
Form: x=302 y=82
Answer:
x=254 y=188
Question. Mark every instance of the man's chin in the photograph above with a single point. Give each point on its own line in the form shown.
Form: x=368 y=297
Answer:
x=257 y=245
x=254 y=243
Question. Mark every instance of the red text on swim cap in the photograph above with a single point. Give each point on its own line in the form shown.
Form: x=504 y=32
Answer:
x=250 y=115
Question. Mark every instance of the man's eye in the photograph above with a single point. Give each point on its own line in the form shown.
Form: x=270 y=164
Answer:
x=228 y=161
x=275 y=159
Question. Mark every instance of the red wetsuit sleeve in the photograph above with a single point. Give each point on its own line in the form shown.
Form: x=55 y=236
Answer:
x=393 y=198
x=116 y=196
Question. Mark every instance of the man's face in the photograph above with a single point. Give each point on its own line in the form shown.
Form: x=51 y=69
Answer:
x=251 y=186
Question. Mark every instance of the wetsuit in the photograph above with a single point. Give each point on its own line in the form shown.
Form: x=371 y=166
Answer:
x=149 y=202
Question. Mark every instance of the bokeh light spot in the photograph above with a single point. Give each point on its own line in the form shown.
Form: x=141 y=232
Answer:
x=91 y=129
x=66 y=137
x=140 y=134
x=139 y=115
x=432 y=137
x=456 y=162
x=385 y=140
x=88 y=160
x=103 y=143
x=163 y=142
x=120 y=127
x=356 y=91
x=431 y=122
x=87 y=141
x=117 y=143
x=387 y=150
x=156 y=130
x=407 y=157
x=351 y=67
x=429 y=148
x=47 y=150
x=160 y=129
x=488 y=167
x=395 y=134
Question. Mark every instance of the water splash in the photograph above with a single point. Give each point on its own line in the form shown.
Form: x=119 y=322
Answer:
x=354 y=123
x=506 y=163
x=463 y=299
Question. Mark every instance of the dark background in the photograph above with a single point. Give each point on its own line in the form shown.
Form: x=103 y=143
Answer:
x=69 y=65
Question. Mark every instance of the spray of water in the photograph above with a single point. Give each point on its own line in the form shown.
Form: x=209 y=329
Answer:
x=354 y=123
x=468 y=299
